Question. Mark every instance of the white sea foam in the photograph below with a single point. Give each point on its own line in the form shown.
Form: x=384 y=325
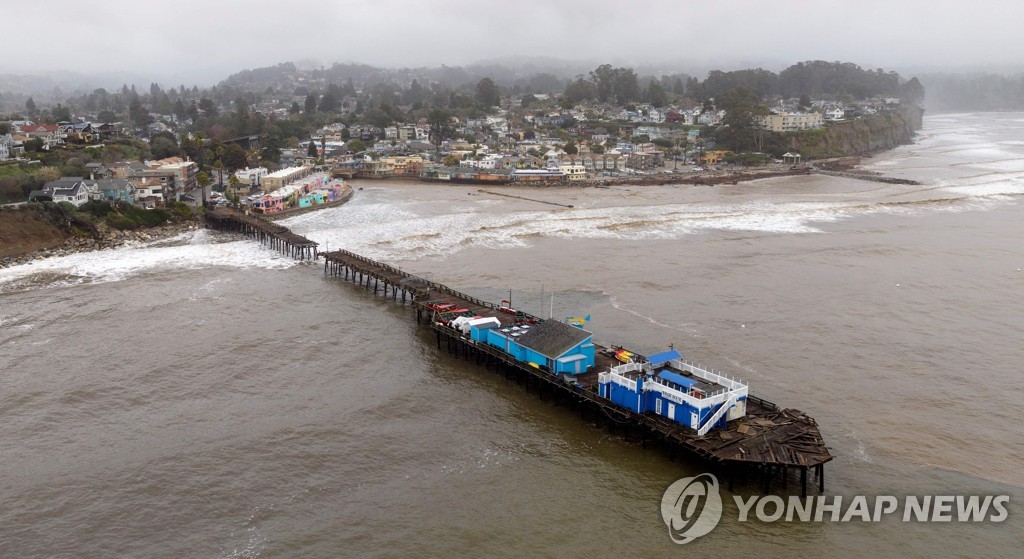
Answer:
x=124 y=262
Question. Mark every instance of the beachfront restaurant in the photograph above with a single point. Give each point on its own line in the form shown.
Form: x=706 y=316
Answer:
x=551 y=345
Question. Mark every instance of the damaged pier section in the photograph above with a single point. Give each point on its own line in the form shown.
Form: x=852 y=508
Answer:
x=277 y=237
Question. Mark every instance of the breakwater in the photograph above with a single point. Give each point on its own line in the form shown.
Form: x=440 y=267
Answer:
x=865 y=177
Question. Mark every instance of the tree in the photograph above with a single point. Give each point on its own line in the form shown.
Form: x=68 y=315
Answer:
x=578 y=91
x=329 y=103
x=656 y=94
x=137 y=113
x=311 y=149
x=30 y=106
x=163 y=145
x=740 y=124
x=912 y=92
x=60 y=113
x=805 y=101
x=179 y=109
x=310 y=105
x=106 y=116
x=295 y=108
x=241 y=116
x=487 y=93
x=35 y=145
x=234 y=157
x=271 y=152
x=208 y=107
x=626 y=87
x=356 y=146
x=570 y=148
x=440 y=126
x=603 y=78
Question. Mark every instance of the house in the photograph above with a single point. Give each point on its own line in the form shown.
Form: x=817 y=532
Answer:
x=834 y=114
x=713 y=157
x=251 y=177
x=50 y=134
x=10 y=148
x=149 y=192
x=74 y=190
x=179 y=175
x=98 y=171
x=574 y=170
x=279 y=179
x=83 y=132
x=115 y=190
x=126 y=169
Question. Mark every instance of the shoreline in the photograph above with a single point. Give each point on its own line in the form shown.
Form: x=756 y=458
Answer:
x=109 y=239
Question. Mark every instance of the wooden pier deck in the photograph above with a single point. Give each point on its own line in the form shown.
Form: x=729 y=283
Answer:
x=275 y=236
x=773 y=441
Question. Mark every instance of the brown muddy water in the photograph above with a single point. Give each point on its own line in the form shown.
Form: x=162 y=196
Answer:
x=206 y=397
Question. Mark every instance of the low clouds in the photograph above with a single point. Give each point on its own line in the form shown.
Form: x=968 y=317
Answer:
x=209 y=39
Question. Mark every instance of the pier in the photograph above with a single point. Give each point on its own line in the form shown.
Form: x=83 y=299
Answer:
x=769 y=443
x=277 y=237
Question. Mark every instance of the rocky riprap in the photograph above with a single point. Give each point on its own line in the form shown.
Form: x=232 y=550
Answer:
x=106 y=238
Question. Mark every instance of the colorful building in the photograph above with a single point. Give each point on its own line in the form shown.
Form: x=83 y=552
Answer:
x=669 y=386
x=551 y=345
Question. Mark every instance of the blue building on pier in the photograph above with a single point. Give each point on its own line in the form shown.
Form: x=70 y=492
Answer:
x=669 y=386
x=551 y=345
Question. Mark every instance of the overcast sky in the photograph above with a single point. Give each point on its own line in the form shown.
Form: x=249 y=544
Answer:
x=209 y=39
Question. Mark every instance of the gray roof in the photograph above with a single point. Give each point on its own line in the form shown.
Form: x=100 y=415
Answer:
x=112 y=184
x=65 y=186
x=551 y=338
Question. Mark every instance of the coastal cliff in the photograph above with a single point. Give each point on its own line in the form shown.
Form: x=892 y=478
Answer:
x=29 y=230
x=858 y=137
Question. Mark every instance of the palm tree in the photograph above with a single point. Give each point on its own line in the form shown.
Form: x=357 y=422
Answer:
x=700 y=143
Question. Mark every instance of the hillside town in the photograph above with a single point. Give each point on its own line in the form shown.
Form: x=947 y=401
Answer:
x=149 y=149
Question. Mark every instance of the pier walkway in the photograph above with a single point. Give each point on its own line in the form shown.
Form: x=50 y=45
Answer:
x=275 y=236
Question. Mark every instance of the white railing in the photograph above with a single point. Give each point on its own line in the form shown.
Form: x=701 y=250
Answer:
x=703 y=430
x=628 y=368
x=620 y=380
x=709 y=374
x=689 y=397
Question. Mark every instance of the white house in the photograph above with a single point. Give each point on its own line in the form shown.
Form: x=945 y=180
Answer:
x=74 y=190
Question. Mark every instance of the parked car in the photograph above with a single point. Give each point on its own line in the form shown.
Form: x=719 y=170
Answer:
x=188 y=198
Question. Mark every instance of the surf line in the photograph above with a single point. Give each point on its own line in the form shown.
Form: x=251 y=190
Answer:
x=525 y=198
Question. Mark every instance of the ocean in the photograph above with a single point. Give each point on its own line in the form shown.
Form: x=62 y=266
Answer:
x=204 y=396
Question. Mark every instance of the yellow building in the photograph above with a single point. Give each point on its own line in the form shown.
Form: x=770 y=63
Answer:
x=713 y=157
x=788 y=122
x=278 y=179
